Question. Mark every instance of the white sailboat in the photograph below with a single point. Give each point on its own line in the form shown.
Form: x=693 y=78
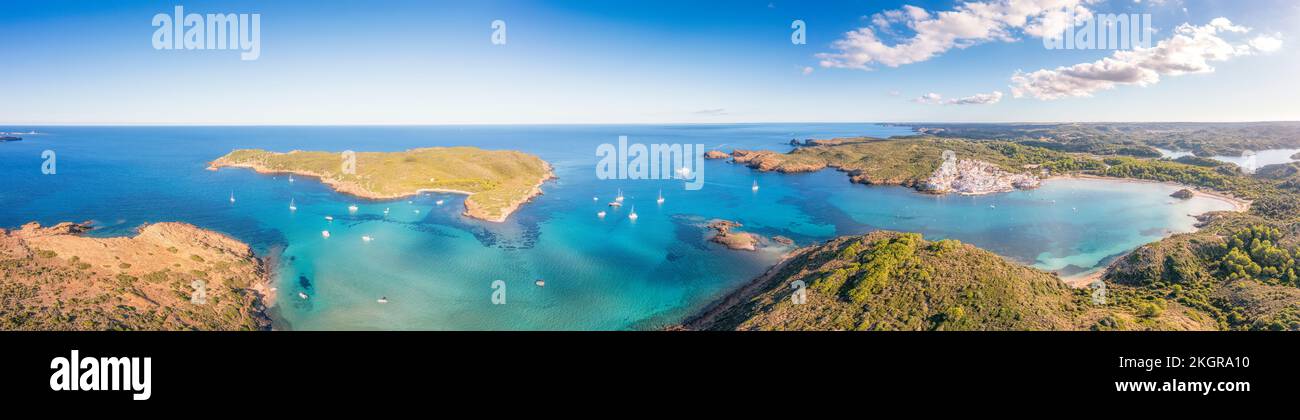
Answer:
x=385 y=211
x=232 y=197
x=302 y=295
x=632 y=215
x=595 y=198
x=325 y=234
x=439 y=202
x=601 y=214
x=292 y=206
x=661 y=197
x=290 y=177
x=352 y=208
x=755 y=187
x=367 y=238
x=619 y=197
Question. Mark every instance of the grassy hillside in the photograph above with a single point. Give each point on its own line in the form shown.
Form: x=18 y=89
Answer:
x=1239 y=270
x=899 y=281
x=497 y=182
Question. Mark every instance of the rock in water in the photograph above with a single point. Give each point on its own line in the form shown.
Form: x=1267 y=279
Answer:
x=732 y=239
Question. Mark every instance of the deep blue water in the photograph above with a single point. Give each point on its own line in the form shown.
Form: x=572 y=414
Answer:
x=436 y=267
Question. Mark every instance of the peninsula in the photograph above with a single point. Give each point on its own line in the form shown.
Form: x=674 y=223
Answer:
x=496 y=181
x=170 y=276
x=930 y=165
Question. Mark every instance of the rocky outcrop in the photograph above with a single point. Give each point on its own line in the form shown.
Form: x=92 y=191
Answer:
x=973 y=177
x=716 y=154
x=766 y=160
x=1183 y=194
x=732 y=239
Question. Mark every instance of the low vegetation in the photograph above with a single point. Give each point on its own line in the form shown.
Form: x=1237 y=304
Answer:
x=54 y=279
x=497 y=181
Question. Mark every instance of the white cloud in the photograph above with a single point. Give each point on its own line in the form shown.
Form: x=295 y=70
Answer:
x=1223 y=24
x=1190 y=50
x=807 y=71
x=977 y=99
x=970 y=23
x=1266 y=43
x=929 y=98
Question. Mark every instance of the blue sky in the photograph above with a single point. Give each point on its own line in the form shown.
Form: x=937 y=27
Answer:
x=421 y=62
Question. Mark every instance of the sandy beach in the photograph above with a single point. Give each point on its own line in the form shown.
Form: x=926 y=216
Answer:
x=1080 y=281
x=1238 y=204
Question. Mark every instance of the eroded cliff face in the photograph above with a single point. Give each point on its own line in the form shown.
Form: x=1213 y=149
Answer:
x=170 y=276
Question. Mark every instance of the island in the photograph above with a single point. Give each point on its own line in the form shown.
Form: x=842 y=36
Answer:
x=725 y=234
x=169 y=276
x=496 y=182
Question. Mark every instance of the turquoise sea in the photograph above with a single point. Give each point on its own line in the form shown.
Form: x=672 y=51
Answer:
x=437 y=268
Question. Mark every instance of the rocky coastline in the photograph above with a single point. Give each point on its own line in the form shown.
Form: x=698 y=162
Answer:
x=169 y=276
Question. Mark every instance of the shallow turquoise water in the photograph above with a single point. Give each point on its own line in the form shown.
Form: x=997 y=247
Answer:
x=436 y=268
